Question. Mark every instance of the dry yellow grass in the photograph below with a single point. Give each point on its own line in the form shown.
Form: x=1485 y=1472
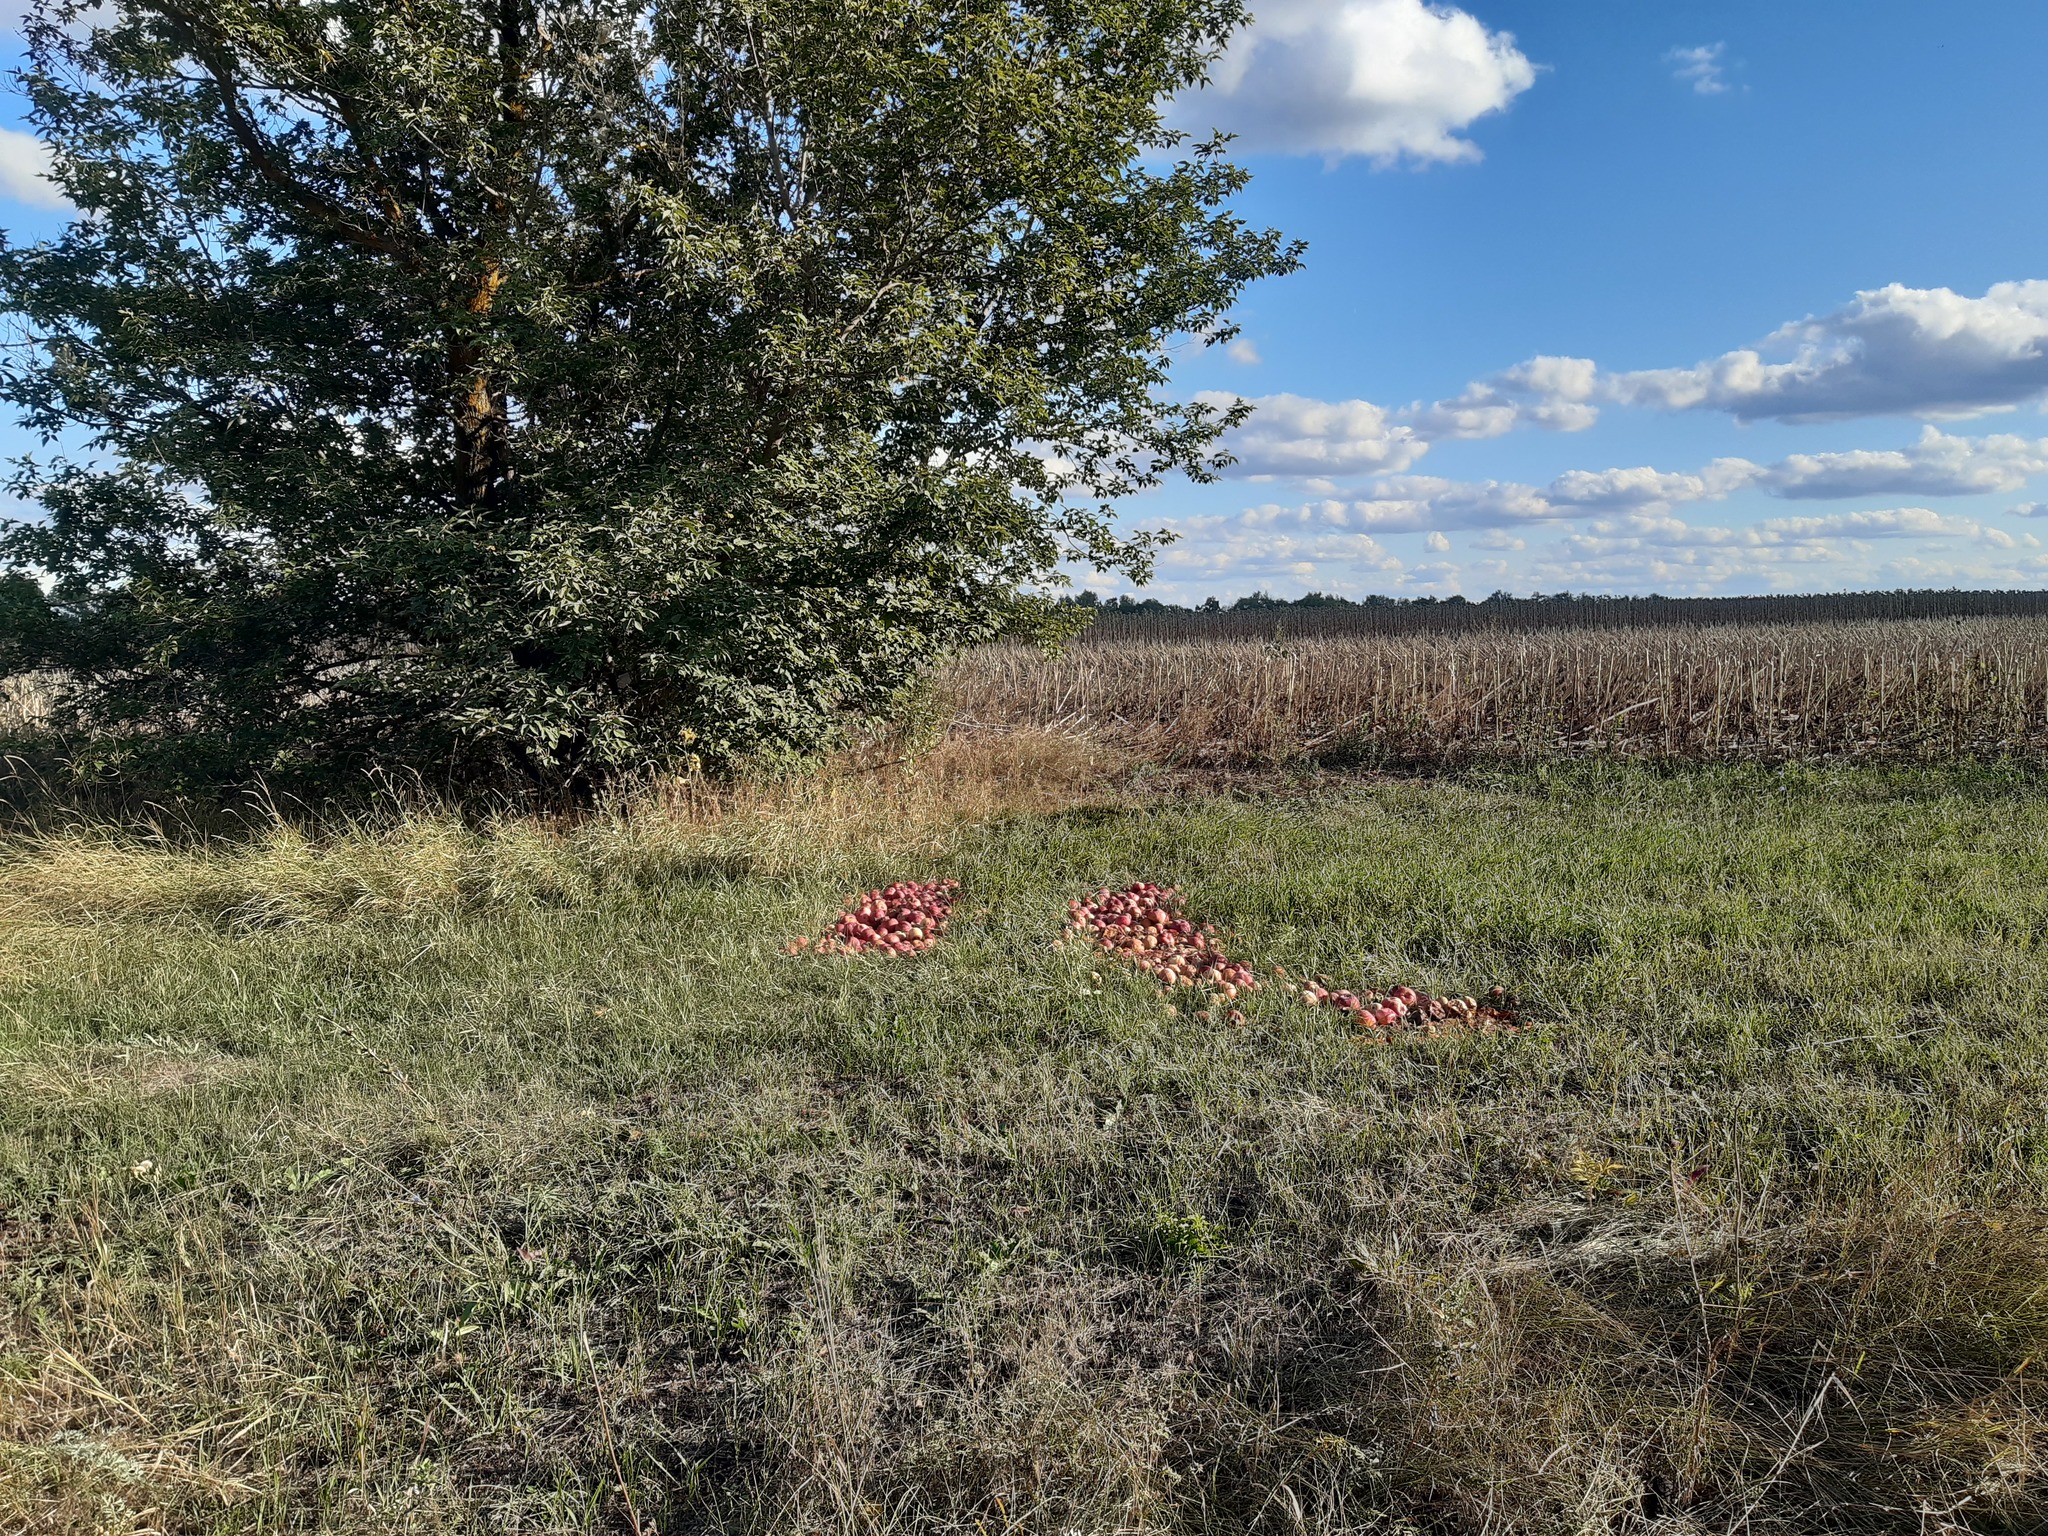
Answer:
x=1937 y=687
x=426 y=859
x=25 y=702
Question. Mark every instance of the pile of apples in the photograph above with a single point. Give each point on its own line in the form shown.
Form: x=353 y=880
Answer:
x=1405 y=1008
x=902 y=919
x=1145 y=925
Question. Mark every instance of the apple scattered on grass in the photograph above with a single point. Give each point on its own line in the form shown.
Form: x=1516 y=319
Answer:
x=1385 y=1010
x=1145 y=925
x=902 y=919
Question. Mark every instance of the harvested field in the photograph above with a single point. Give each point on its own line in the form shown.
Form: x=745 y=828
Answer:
x=1974 y=687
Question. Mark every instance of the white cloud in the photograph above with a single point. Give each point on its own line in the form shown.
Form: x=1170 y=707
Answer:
x=1893 y=523
x=1387 y=79
x=1293 y=435
x=1296 y=435
x=1551 y=392
x=24 y=171
x=1337 y=545
x=1416 y=504
x=1242 y=551
x=1699 y=67
x=1892 y=351
x=1597 y=490
x=2028 y=509
x=1921 y=571
x=1422 y=502
x=1244 y=351
x=1938 y=465
x=1640 y=567
x=1658 y=551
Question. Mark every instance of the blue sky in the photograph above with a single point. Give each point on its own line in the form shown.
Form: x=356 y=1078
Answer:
x=1616 y=295
x=1644 y=188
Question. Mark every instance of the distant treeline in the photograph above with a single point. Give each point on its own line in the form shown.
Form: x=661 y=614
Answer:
x=1324 y=614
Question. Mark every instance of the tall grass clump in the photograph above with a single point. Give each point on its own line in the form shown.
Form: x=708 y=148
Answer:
x=414 y=856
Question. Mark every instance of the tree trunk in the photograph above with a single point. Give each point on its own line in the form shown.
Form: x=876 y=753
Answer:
x=482 y=443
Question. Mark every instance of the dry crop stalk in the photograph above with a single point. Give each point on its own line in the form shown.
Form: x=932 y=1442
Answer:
x=1880 y=687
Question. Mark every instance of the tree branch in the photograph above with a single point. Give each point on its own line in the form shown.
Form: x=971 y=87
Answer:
x=335 y=219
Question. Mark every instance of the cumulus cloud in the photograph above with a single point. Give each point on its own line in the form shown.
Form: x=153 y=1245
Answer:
x=1938 y=465
x=1926 y=352
x=1658 y=550
x=1595 y=490
x=1917 y=570
x=1643 y=497
x=1892 y=351
x=1699 y=68
x=1238 y=550
x=1416 y=504
x=1244 y=351
x=1358 y=438
x=1900 y=547
x=1294 y=435
x=1385 y=79
x=1891 y=523
x=25 y=170
x=1549 y=392
x=1424 y=502
x=2028 y=509
x=1645 y=567
x=1338 y=545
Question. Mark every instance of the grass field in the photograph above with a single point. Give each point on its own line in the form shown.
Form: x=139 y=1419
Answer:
x=438 y=1180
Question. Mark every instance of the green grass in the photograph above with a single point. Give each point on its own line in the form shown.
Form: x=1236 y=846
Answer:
x=568 y=1202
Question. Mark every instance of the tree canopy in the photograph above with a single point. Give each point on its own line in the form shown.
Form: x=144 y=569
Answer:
x=562 y=388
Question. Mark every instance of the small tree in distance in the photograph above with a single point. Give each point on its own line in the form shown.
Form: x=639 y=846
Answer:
x=564 y=388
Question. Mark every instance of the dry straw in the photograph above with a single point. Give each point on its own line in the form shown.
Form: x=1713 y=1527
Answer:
x=1915 y=688
x=424 y=859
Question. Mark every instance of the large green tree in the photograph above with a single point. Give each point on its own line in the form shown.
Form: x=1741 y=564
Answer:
x=567 y=387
